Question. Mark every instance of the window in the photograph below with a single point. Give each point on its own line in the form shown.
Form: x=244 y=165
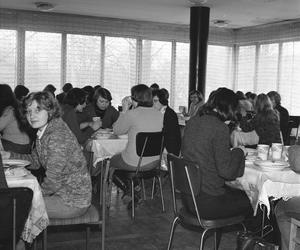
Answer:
x=42 y=60
x=219 y=68
x=156 y=63
x=119 y=67
x=289 y=87
x=267 y=68
x=8 y=47
x=246 y=68
x=181 y=87
x=83 y=60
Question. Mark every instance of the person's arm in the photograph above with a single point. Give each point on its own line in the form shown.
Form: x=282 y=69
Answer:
x=6 y=118
x=171 y=131
x=230 y=164
x=122 y=125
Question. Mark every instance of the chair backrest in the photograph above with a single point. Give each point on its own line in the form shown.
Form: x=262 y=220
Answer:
x=149 y=143
x=14 y=208
x=3 y=183
x=185 y=177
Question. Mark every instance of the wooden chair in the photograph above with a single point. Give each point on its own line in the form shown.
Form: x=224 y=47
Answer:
x=295 y=224
x=92 y=217
x=147 y=144
x=186 y=178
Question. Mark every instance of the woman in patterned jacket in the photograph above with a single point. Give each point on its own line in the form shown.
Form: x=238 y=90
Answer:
x=67 y=185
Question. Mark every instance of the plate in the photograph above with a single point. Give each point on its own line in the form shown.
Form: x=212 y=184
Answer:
x=271 y=166
x=15 y=172
x=15 y=162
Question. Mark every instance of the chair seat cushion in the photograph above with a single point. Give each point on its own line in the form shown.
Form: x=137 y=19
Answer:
x=90 y=216
x=191 y=220
x=141 y=174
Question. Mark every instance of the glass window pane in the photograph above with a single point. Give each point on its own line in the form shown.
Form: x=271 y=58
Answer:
x=42 y=60
x=289 y=84
x=156 y=63
x=119 y=67
x=219 y=68
x=83 y=60
x=246 y=68
x=8 y=55
x=267 y=68
x=181 y=87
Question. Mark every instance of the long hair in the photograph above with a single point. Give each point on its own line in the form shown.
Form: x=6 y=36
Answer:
x=8 y=99
x=263 y=103
x=222 y=101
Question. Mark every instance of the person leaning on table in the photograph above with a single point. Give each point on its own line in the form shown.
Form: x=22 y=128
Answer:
x=67 y=185
x=206 y=142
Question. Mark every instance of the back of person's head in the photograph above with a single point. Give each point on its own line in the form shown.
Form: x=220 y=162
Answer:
x=20 y=92
x=104 y=93
x=263 y=103
x=97 y=87
x=74 y=97
x=45 y=100
x=166 y=93
x=68 y=86
x=223 y=101
x=60 y=98
x=154 y=86
x=142 y=94
x=7 y=98
x=90 y=91
x=248 y=94
x=240 y=95
x=162 y=96
x=275 y=96
x=50 y=88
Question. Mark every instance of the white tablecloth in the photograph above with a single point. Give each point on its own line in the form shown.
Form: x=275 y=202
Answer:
x=259 y=185
x=106 y=148
x=37 y=219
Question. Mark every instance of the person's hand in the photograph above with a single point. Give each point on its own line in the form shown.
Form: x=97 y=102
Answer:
x=95 y=125
x=126 y=103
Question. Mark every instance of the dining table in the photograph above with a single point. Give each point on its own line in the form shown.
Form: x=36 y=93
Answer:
x=37 y=219
x=264 y=183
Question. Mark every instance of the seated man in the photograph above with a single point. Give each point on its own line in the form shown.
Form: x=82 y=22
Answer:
x=284 y=211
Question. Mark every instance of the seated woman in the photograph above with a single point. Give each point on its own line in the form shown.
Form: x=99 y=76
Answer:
x=265 y=122
x=67 y=185
x=197 y=100
x=171 y=129
x=75 y=102
x=142 y=118
x=88 y=112
x=12 y=126
x=103 y=109
x=206 y=142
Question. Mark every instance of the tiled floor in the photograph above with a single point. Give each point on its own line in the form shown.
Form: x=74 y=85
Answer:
x=148 y=231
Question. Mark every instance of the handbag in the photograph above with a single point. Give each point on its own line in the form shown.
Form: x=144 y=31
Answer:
x=251 y=241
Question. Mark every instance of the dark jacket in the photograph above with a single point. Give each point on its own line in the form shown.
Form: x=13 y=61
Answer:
x=70 y=118
x=171 y=131
x=206 y=141
x=108 y=117
x=284 y=123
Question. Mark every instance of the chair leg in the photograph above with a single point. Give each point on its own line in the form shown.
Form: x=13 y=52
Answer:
x=202 y=239
x=87 y=237
x=35 y=244
x=217 y=238
x=174 y=224
x=45 y=239
x=293 y=233
x=144 y=191
x=153 y=187
x=132 y=199
x=161 y=194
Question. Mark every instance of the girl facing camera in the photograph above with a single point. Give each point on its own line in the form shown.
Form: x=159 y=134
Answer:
x=67 y=185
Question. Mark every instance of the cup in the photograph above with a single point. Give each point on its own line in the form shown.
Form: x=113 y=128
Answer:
x=96 y=118
x=182 y=109
x=262 y=152
x=276 y=151
x=285 y=153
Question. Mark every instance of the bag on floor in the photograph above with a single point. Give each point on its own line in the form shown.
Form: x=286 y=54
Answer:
x=251 y=241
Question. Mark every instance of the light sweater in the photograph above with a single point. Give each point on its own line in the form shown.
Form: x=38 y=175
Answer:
x=141 y=119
